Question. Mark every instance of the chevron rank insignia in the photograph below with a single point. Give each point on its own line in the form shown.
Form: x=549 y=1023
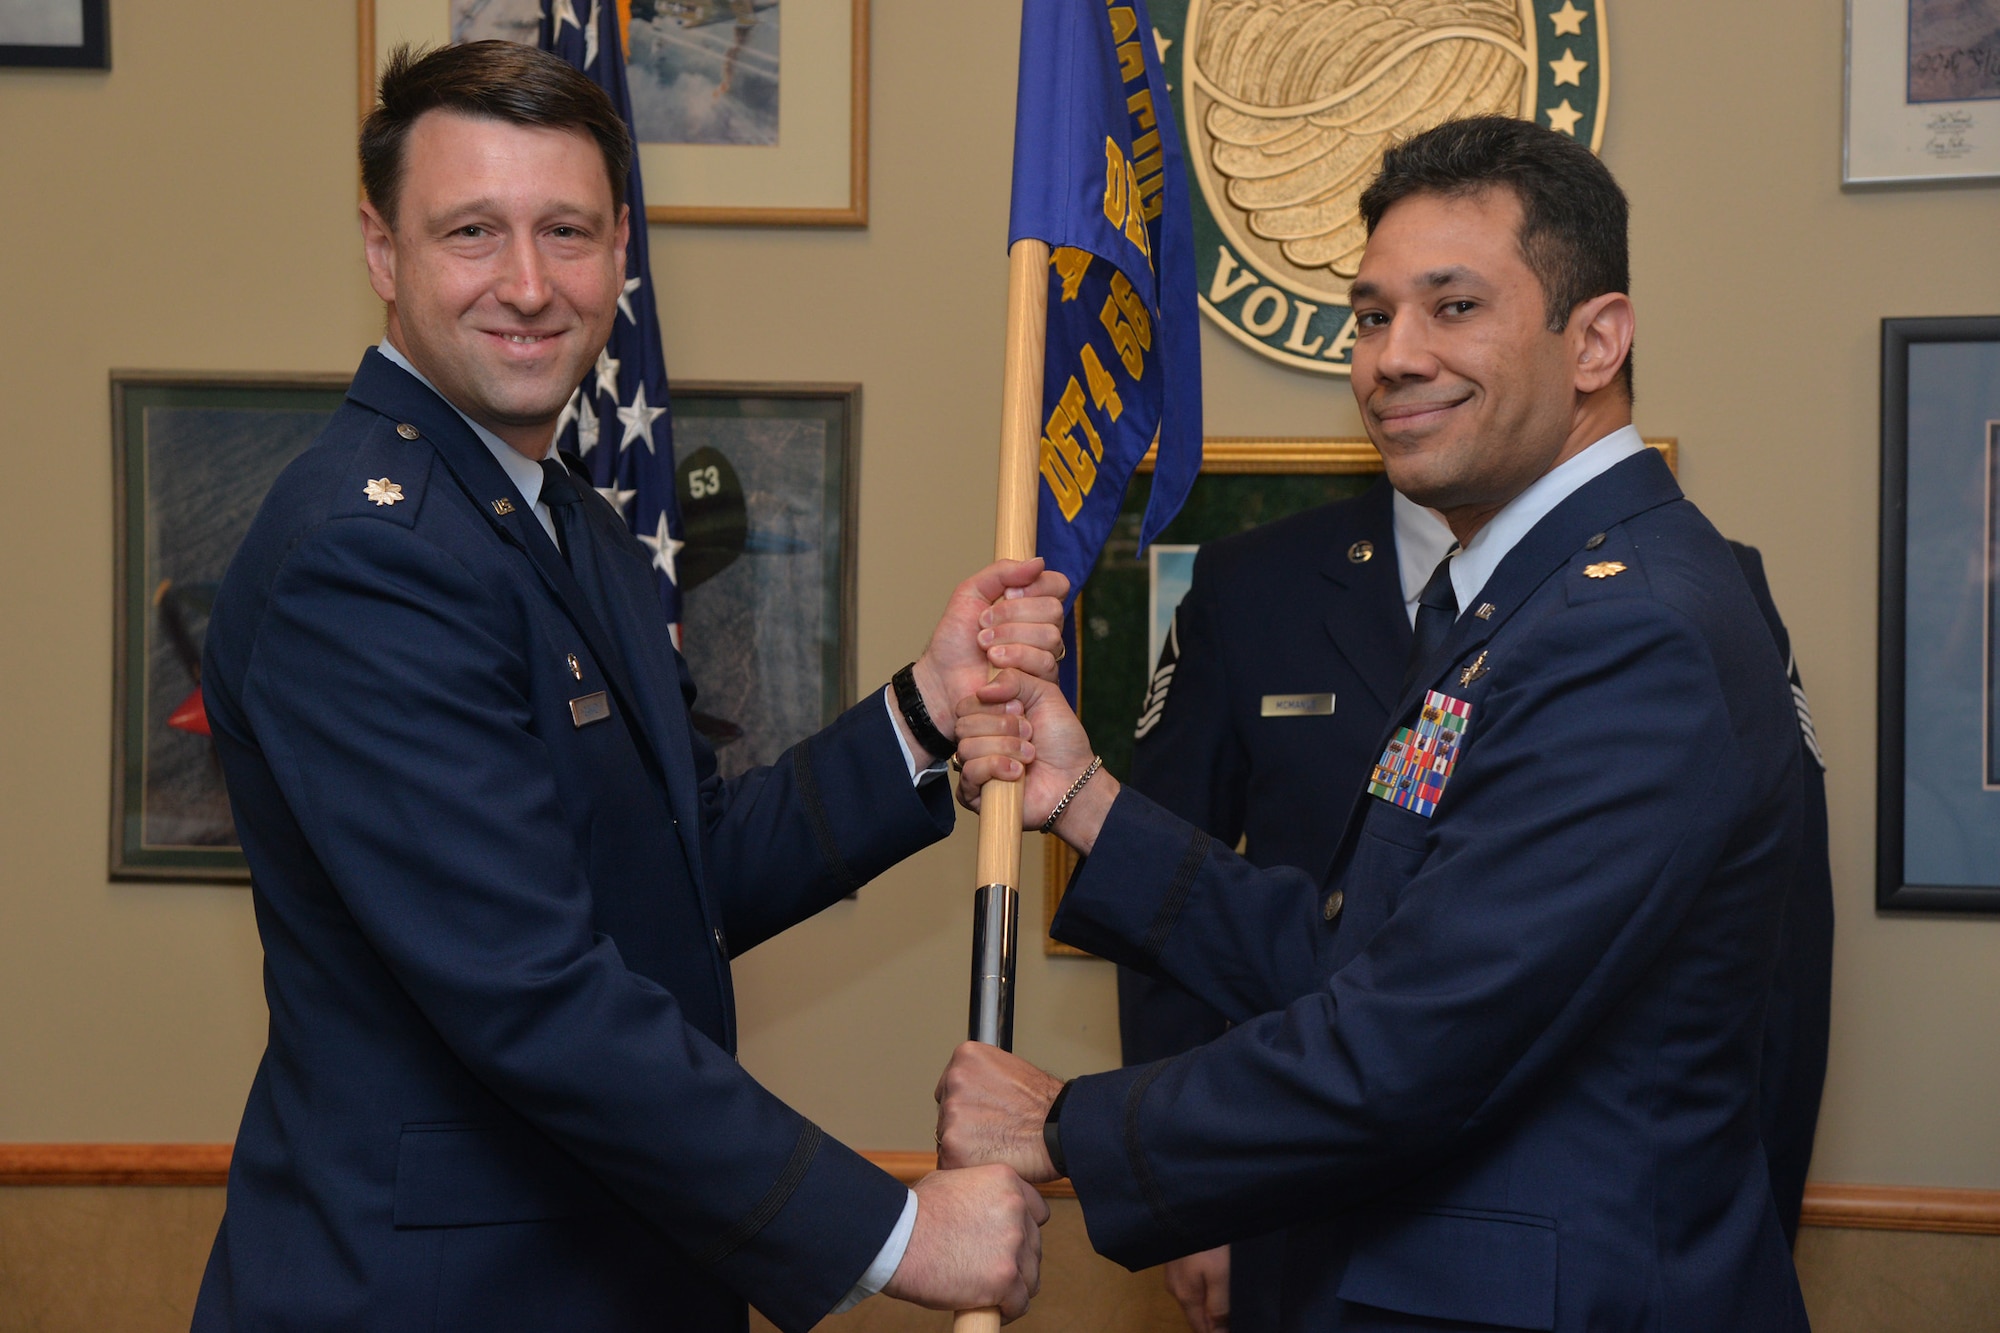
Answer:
x=1418 y=761
x=1163 y=679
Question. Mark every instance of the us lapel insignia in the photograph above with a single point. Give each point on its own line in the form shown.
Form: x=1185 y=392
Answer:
x=1604 y=569
x=1418 y=760
x=1361 y=553
x=382 y=491
x=503 y=506
x=1475 y=670
x=1486 y=610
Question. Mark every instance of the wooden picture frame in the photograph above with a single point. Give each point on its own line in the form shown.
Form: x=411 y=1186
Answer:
x=816 y=175
x=1264 y=479
x=61 y=34
x=192 y=457
x=1921 y=107
x=1937 y=815
x=769 y=480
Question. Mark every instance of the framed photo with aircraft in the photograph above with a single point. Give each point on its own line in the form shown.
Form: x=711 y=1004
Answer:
x=55 y=34
x=750 y=112
x=1937 y=817
x=192 y=456
x=769 y=481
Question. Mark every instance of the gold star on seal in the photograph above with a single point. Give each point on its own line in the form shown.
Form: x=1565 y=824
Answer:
x=1569 y=69
x=1568 y=20
x=382 y=491
x=1604 y=570
x=1563 y=119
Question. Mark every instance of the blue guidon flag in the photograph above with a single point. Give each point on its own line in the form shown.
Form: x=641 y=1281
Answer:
x=618 y=422
x=1099 y=176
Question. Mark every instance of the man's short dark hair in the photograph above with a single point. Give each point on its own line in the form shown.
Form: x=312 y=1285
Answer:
x=1574 y=216
x=493 y=80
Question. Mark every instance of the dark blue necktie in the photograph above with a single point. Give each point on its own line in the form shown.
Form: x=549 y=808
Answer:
x=1437 y=611
x=559 y=493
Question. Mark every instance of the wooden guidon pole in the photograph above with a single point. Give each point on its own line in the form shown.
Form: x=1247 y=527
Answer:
x=996 y=911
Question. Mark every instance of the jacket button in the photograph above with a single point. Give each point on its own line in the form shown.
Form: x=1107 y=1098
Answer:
x=1334 y=902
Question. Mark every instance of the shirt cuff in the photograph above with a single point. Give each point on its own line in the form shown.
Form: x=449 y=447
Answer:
x=878 y=1274
x=918 y=776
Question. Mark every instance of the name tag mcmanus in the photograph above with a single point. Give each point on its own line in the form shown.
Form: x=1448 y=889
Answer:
x=1297 y=705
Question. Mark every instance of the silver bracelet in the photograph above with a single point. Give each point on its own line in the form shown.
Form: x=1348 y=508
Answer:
x=1049 y=824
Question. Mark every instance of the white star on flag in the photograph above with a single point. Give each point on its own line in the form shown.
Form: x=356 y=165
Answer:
x=619 y=499
x=665 y=549
x=565 y=14
x=569 y=411
x=625 y=298
x=586 y=425
x=607 y=373
x=590 y=36
x=638 y=419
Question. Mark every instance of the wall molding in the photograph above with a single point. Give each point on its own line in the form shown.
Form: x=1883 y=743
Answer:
x=1863 y=1207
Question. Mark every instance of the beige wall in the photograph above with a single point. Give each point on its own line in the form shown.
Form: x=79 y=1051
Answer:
x=192 y=210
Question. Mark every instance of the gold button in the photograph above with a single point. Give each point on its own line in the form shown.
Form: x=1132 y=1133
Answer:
x=1361 y=553
x=1334 y=902
x=1594 y=542
x=407 y=431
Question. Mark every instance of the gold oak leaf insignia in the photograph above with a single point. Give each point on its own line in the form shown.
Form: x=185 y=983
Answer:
x=382 y=491
x=1563 y=119
x=1604 y=570
x=1569 y=70
x=1568 y=21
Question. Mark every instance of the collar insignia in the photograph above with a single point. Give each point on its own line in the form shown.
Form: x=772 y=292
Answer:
x=1604 y=569
x=382 y=491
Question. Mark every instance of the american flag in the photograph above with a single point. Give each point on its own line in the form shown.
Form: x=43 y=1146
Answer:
x=618 y=422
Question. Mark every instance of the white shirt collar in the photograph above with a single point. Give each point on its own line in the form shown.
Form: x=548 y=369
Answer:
x=1422 y=538
x=1473 y=566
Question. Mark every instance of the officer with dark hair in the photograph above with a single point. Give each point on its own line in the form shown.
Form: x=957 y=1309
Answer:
x=497 y=875
x=1497 y=1064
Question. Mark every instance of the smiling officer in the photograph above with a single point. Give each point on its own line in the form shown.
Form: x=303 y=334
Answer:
x=1500 y=1068
x=497 y=877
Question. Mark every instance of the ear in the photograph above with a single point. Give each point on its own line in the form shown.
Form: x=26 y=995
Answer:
x=623 y=236
x=1600 y=333
x=378 y=245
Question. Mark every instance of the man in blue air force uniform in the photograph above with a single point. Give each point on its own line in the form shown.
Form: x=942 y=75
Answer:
x=497 y=877
x=1265 y=712
x=1497 y=1067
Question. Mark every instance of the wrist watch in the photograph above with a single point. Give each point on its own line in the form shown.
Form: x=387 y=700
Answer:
x=1052 y=1131
x=910 y=702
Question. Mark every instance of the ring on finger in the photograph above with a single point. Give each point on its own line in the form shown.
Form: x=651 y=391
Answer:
x=1062 y=650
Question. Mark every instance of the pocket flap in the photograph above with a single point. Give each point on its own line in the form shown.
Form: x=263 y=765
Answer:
x=1479 y=1267
x=468 y=1175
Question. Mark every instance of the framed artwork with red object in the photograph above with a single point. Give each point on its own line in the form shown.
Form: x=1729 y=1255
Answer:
x=192 y=456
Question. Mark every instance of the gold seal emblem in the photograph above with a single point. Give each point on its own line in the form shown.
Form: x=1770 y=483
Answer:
x=1286 y=107
x=383 y=491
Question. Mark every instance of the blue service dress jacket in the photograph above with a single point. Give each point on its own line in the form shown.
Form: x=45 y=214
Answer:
x=1314 y=603
x=1498 y=1066
x=498 y=882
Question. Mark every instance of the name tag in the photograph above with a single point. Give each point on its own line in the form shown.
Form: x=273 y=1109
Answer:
x=590 y=708
x=1297 y=705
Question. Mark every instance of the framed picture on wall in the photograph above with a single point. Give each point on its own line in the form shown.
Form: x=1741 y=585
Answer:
x=746 y=111
x=769 y=484
x=1128 y=602
x=1923 y=92
x=1937 y=820
x=54 y=33
x=192 y=456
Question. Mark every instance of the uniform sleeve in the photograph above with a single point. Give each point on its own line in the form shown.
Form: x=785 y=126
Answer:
x=1602 y=793
x=1187 y=757
x=429 y=800
x=788 y=839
